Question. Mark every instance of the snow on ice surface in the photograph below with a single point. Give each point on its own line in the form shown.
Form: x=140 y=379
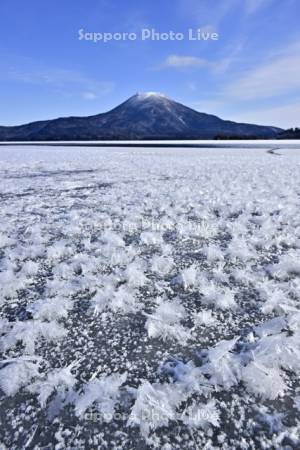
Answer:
x=149 y=298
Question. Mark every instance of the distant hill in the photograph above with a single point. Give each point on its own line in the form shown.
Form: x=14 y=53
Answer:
x=292 y=133
x=143 y=116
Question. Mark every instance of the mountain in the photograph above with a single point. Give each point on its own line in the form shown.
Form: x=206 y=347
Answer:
x=292 y=133
x=143 y=116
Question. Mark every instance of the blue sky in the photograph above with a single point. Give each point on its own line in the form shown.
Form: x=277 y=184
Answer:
x=251 y=73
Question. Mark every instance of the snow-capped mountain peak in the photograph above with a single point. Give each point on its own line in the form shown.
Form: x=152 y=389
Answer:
x=150 y=94
x=148 y=97
x=145 y=115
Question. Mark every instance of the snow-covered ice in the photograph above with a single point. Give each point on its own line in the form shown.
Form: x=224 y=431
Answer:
x=149 y=298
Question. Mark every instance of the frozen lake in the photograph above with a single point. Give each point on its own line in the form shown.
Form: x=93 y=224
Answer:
x=150 y=297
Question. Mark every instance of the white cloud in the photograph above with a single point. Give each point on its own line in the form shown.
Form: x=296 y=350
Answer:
x=65 y=80
x=191 y=85
x=252 y=6
x=283 y=116
x=212 y=12
x=223 y=64
x=220 y=65
x=286 y=116
x=273 y=78
x=216 y=12
x=185 y=61
x=89 y=95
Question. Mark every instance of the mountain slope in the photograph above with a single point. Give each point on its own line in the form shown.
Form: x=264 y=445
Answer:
x=143 y=116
